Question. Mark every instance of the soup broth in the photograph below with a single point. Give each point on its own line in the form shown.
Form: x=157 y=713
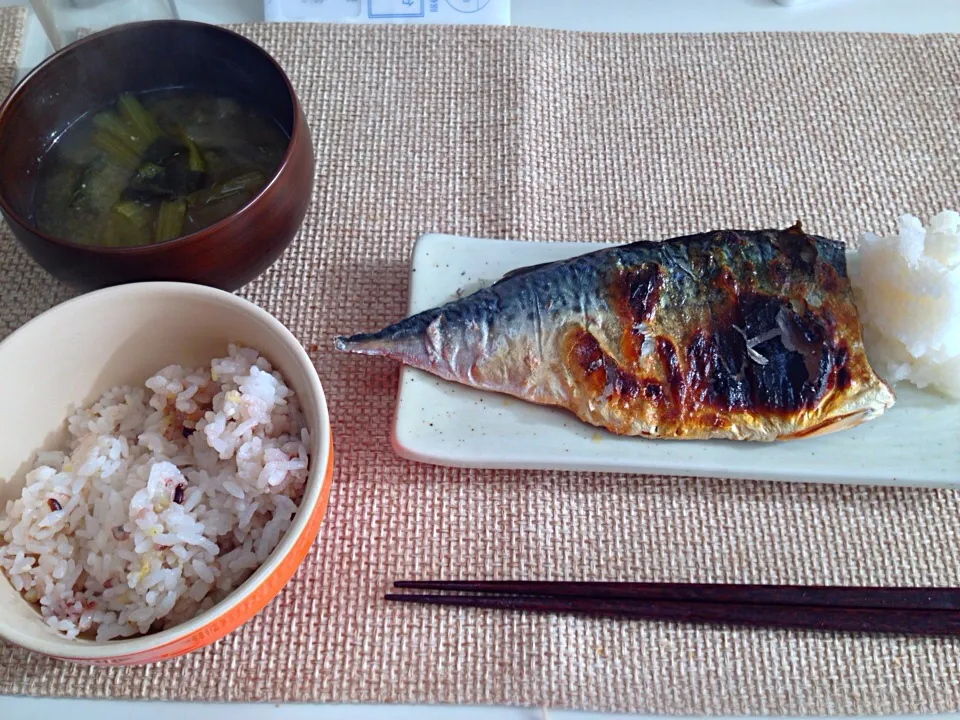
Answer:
x=154 y=167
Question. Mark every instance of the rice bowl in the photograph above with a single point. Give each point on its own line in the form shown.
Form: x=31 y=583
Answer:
x=207 y=473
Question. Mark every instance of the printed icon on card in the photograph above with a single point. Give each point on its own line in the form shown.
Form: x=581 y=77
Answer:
x=468 y=6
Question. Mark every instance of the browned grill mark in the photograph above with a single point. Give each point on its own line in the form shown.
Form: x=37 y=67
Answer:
x=636 y=293
x=797 y=252
x=671 y=368
x=829 y=280
x=653 y=390
x=586 y=352
x=725 y=279
x=714 y=420
x=624 y=384
x=643 y=285
x=699 y=363
x=842 y=376
x=843 y=379
x=599 y=371
x=779 y=274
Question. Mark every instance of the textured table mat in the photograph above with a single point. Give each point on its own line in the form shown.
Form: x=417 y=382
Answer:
x=540 y=135
x=12 y=26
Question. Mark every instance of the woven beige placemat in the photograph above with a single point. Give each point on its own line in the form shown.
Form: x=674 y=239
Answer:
x=12 y=25
x=540 y=135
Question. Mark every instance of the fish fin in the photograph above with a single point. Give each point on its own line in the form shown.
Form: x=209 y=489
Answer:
x=516 y=272
x=832 y=425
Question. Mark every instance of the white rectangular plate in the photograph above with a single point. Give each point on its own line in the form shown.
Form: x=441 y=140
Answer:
x=916 y=443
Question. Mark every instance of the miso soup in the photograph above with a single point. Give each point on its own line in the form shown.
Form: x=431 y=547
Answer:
x=154 y=167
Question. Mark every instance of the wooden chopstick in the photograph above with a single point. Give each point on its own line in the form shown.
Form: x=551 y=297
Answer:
x=807 y=595
x=796 y=617
x=908 y=611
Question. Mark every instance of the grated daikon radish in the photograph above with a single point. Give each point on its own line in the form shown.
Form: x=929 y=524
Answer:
x=907 y=288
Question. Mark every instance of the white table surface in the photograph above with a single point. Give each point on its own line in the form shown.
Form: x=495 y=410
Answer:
x=909 y=16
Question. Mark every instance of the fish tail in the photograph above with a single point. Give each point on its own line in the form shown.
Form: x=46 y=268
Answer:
x=361 y=344
x=401 y=341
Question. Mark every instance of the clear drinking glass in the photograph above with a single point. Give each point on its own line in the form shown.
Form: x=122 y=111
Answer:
x=67 y=20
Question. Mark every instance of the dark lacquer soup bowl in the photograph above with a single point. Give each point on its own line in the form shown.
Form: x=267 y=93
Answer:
x=75 y=85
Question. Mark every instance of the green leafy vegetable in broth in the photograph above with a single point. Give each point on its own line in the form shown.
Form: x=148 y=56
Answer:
x=155 y=167
x=224 y=198
x=115 y=149
x=170 y=219
x=138 y=118
x=135 y=212
x=194 y=156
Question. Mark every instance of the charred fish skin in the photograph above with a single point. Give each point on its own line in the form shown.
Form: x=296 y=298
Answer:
x=745 y=335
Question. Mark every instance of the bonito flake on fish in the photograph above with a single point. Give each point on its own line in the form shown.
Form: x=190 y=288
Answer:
x=745 y=335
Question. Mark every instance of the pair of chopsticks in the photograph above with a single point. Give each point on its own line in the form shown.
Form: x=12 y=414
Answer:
x=906 y=611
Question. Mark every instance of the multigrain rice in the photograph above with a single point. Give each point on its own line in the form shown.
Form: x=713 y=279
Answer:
x=165 y=499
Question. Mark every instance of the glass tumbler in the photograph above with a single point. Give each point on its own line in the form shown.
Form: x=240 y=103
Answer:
x=64 y=21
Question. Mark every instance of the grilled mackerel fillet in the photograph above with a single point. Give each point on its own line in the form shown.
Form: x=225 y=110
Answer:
x=744 y=335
